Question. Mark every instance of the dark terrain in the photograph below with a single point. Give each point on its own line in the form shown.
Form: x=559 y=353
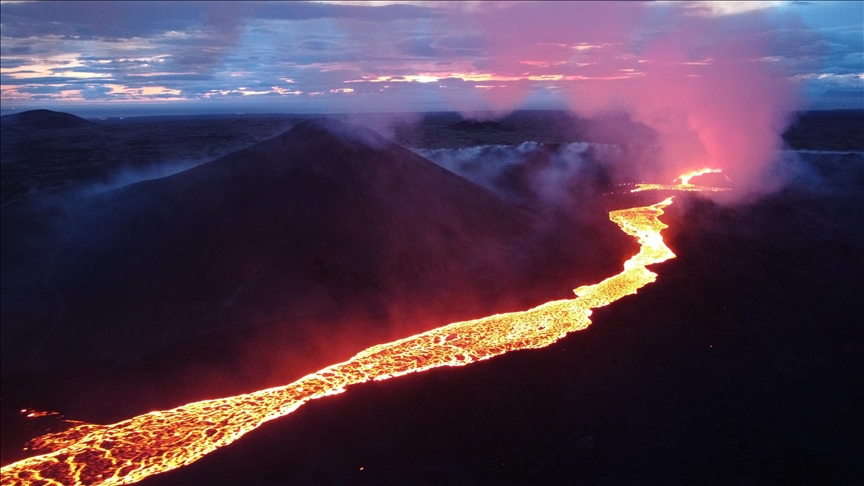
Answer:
x=40 y=157
x=43 y=120
x=839 y=130
x=260 y=267
x=742 y=365
x=46 y=159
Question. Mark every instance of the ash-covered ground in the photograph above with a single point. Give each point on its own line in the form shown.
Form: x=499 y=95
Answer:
x=125 y=291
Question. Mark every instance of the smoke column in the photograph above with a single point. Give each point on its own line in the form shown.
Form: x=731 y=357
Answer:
x=705 y=82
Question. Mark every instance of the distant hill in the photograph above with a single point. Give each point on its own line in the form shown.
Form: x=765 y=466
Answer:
x=44 y=119
x=328 y=217
x=474 y=125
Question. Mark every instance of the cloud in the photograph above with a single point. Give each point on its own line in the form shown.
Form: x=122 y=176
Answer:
x=461 y=42
x=472 y=57
x=46 y=89
x=700 y=82
x=96 y=19
x=721 y=8
x=313 y=10
x=125 y=20
x=319 y=45
x=446 y=46
x=416 y=46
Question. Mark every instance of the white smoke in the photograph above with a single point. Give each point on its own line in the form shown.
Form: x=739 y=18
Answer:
x=543 y=173
x=125 y=176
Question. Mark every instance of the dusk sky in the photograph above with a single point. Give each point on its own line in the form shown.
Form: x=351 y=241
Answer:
x=202 y=57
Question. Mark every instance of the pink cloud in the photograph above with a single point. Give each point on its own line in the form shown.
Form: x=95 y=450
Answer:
x=701 y=82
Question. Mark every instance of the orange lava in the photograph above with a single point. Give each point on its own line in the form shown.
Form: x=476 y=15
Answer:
x=131 y=450
x=685 y=184
x=685 y=178
x=33 y=413
x=677 y=187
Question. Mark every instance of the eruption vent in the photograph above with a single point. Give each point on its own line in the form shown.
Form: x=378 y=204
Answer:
x=149 y=444
x=685 y=178
x=685 y=183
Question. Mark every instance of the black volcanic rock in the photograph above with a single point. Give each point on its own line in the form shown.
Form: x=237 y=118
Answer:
x=43 y=119
x=328 y=217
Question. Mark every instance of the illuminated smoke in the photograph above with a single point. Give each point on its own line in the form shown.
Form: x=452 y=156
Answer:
x=548 y=170
x=685 y=178
x=705 y=83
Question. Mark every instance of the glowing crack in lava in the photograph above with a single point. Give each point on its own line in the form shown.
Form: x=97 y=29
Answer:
x=685 y=184
x=156 y=442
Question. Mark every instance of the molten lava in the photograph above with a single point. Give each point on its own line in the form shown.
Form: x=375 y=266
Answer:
x=33 y=413
x=131 y=450
x=685 y=178
x=685 y=184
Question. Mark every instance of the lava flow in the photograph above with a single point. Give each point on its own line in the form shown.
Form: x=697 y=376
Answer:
x=685 y=178
x=685 y=184
x=131 y=450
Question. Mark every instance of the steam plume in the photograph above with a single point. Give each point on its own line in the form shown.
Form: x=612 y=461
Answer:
x=705 y=83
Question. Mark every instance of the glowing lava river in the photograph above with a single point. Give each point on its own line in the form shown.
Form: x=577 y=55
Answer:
x=131 y=450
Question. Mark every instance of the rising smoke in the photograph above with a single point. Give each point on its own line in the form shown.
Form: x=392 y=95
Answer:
x=529 y=174
x=707 y=84
x=127 y=175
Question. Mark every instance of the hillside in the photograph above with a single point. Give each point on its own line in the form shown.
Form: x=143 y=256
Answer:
x=43 y=120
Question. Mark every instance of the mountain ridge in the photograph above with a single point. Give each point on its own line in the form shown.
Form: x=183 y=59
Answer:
x=325 y=216
x=44 y=119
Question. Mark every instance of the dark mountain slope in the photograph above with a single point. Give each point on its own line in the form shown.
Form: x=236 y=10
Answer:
x=327 y=217
x=43 y=119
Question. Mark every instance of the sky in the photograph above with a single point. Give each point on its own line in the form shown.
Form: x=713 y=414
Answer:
x=104 y=58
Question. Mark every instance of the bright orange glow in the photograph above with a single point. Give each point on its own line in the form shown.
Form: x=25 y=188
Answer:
x=685 y=183
x=685 y=178
x=131 y=450
x=677 y=187
x=33 y=413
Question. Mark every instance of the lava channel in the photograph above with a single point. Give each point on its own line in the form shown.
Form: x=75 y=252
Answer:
x=685 y=184
x=156 y=442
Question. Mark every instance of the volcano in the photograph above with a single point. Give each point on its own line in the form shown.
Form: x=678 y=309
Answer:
x=328 y=217
x=740 y=365
x=43 y=120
